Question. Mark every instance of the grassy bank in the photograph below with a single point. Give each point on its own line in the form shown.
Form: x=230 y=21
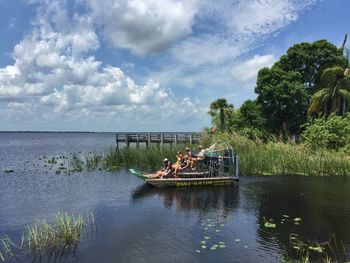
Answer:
x=280 y=158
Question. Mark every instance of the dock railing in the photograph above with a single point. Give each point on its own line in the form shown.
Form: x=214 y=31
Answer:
x=161 y=138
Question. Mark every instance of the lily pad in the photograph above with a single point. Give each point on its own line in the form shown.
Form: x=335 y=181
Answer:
x=203 y=242
x=213 y=248
x=207 y=237
x=237 y=240
x=203 y=247
x=286 y=216
x=269 y=225
x=217 y=230
x=297 y=219
x=222 y=246
x=197 y=251
x=296 y=247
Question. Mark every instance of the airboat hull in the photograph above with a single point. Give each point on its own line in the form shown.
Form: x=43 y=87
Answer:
x=189 y=182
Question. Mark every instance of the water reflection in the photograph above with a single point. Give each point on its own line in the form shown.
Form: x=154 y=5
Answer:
x=204 y=200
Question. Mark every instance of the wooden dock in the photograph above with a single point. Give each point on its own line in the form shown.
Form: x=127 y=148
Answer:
x=161 y=138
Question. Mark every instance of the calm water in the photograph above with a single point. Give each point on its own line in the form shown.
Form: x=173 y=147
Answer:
x=136 y=223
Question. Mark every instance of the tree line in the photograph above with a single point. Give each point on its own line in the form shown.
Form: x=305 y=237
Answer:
x=311 y=81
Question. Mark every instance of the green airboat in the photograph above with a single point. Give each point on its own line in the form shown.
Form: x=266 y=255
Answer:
x=219 y=167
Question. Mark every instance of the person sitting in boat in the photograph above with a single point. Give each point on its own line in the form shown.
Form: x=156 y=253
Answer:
x=200 y=156
x=189 y=157
x=166 y=171
x=179 y=165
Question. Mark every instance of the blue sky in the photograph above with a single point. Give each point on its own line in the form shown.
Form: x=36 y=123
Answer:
x=144 y=65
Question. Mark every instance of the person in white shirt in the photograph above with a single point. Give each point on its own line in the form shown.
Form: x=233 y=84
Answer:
x=199 y=156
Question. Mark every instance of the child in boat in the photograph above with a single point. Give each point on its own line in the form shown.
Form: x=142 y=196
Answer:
x=179 y=165
x=189 y=157
x=166 y=171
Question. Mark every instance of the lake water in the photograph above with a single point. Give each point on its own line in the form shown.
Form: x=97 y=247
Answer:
x=137 y=223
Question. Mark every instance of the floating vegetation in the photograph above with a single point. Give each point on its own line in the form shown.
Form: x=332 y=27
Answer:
x=9 y=171
x=269 y=223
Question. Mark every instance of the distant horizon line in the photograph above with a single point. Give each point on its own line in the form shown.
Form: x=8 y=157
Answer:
x=20 y=131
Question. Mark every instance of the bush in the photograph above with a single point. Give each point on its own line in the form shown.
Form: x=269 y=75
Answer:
x=331 y=133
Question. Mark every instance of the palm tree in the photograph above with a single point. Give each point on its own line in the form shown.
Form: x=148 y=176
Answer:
x=335 y=95
x=220 y=105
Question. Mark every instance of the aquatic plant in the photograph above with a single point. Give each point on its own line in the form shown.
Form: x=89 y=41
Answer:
x=6 y=252
x=306 y=251
x=64 y=233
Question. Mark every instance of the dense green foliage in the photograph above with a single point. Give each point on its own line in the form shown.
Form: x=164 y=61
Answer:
x=332 y=132
x=310 y=79
x=310 y=59
x=334 y=94
x=283 y=99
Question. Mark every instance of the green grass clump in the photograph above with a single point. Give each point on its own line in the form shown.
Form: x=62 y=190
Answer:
x=64 y=233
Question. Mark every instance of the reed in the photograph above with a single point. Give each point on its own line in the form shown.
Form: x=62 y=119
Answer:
x=285 y=158
x=64 y=233
x=6 y=249
x=149 y=158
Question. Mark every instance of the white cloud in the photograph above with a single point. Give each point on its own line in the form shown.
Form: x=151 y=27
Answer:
x=247 y=71
x=143 y=26
x=55 y=75
x=237 y=29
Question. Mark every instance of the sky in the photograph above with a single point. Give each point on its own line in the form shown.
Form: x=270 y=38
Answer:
x=144 y=65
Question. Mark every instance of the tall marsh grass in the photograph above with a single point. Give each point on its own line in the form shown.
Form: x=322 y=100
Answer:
x=286 y=158
x=149 y=158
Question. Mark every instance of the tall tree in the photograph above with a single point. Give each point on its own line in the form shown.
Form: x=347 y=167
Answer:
x=334 y=96
x=310 y=59
x=251 y=114
x=219 y=105
x=283 y=99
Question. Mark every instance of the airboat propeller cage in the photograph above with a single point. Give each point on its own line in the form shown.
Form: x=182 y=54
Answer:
x=221 y=161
